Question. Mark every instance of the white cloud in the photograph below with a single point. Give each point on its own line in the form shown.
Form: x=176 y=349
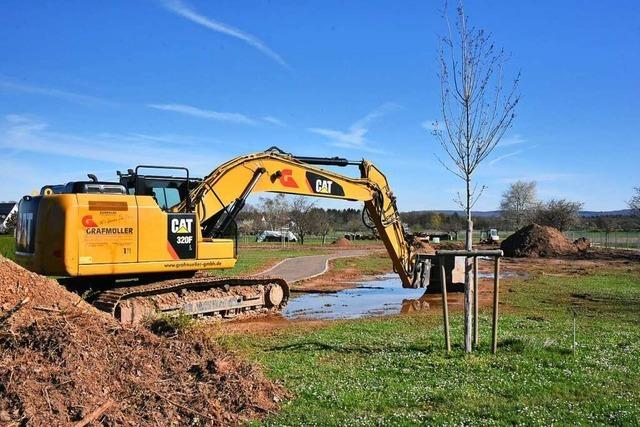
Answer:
x=274 y=121
x=512 y=140
x=10 y=85
x=180 y=8
x=504 y=156
x=355 y=135
x=205 y=114
x=24 y=133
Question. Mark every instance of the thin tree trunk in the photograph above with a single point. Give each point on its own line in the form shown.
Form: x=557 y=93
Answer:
x=468 y=278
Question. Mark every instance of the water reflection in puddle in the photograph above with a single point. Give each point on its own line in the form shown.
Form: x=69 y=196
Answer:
x=376 y=298
x=381 y=297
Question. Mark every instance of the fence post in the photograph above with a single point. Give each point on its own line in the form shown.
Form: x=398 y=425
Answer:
x=475 y=301
x=445 y=306
x=496 y=290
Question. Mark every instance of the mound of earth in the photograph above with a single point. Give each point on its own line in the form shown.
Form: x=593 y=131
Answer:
x=420 y=244
x=449 y=245
x=582 y=244
x=341 y=242
x=536 y=240
x=62 y=362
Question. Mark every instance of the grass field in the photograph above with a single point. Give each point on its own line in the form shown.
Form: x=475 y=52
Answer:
x=372 y=264
x=7 y=246
x=393 y=371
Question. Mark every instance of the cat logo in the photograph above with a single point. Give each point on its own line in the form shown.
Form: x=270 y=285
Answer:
x=323 y=186
x=181 y=225
x=319 y=184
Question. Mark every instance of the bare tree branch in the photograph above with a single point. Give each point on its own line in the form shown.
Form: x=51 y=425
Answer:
x=475 y=108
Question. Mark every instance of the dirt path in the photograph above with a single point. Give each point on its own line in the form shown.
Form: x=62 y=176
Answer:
x=305 y=267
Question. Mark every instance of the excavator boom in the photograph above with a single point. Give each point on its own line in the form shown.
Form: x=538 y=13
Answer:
x=220 y=196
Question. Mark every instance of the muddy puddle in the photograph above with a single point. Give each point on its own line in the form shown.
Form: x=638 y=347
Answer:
x=381 y=297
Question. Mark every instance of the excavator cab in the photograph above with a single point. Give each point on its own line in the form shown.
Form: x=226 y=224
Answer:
x=167 y=190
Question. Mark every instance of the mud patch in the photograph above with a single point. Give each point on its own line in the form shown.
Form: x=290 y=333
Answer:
x=372 y=298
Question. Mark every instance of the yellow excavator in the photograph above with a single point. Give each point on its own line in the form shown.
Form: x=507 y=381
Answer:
x=143 y=244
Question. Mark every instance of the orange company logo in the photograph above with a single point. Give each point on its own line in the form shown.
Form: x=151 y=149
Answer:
x=286 y=179
x=88 y=221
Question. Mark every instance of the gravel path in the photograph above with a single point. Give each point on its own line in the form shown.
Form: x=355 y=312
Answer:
x=305 y=267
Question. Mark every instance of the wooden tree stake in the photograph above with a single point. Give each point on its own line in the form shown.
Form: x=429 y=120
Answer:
x=445 y=306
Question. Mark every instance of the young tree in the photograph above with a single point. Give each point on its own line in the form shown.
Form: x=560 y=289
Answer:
x=275 y=211
x=249 y=220
x=435 y=221
x=558 y=213
x=322 y=223
x=476 y=111
x=302 y=217
x=518 y=202
x=634 y=203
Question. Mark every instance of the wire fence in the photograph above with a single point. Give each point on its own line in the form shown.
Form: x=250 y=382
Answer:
x=612 y=239
x=602 y=239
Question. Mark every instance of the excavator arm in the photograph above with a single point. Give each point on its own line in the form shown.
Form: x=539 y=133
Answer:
x=220 y=196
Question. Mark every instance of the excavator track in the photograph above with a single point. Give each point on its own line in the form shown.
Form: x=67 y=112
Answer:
x=223 y=297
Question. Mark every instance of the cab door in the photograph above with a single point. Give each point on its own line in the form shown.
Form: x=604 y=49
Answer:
x=164 y=236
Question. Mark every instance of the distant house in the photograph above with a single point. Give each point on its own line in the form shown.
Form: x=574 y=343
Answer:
x=5 y=211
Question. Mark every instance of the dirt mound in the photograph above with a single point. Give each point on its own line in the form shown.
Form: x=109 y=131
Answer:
x=582 y=244
x=449 y=245
x=420 y=244
x=535 y=240
x=61 y=361
x=341 y=242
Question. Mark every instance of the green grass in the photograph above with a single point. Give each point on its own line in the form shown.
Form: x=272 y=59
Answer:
x=7 y=246
x=393 y=371
x=375 y=263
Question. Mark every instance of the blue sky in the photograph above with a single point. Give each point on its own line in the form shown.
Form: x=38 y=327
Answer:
x=99 y=86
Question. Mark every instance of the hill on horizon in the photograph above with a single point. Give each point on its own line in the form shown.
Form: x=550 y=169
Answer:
x=496 y=213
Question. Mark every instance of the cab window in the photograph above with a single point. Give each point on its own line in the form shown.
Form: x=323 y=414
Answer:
x=166 y=197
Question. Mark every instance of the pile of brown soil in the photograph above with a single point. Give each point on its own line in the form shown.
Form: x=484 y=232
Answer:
x=420 y=244
x=341 y=242
x=62 y=361
x=535 y=240
x=582 y=244
x=449 y=245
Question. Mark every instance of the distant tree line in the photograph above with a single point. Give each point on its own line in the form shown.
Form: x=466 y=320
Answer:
x=519 y=207
x=300 y=215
